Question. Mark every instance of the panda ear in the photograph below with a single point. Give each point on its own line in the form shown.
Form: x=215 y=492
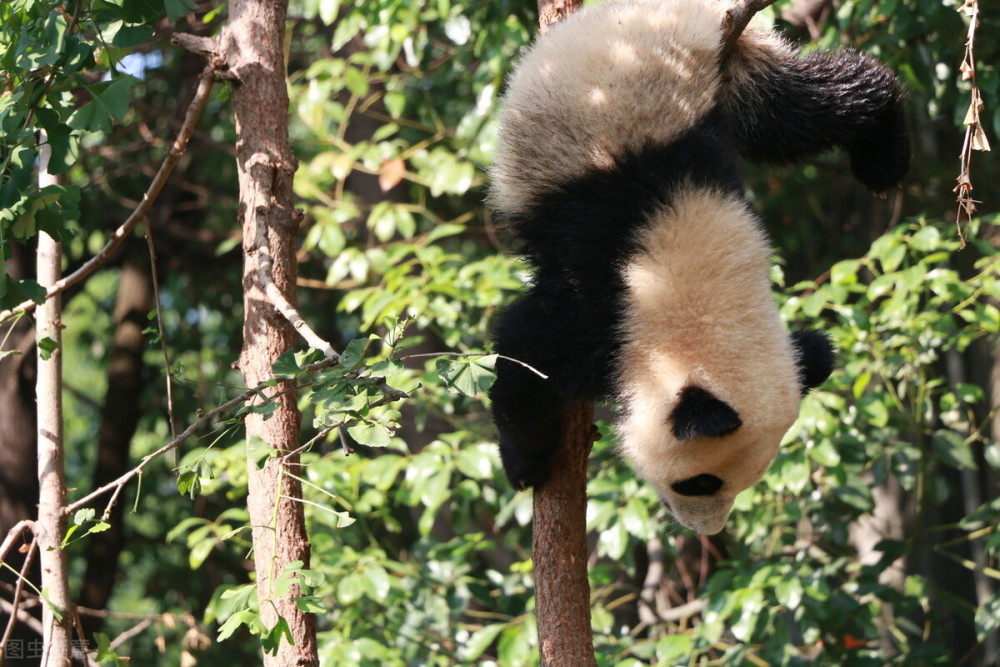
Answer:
x=700 y=414
x=814 y=357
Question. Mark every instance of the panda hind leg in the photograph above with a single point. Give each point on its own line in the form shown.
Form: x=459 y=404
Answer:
x=796 y=108
x=527 y=407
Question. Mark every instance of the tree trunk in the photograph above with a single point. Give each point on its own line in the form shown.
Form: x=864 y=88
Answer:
x=119 y=418
x=559 y=546
x=252 y=46
x=559 y=527
x=51 y=525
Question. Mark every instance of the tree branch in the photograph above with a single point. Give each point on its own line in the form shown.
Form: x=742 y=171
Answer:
x=177 y=149
x=735 y=22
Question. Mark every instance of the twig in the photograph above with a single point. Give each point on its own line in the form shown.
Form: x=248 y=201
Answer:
x=735 y=22
x=184 y=435
x=975 y=136
x=134 y=631
x=13 y=534
x=177 y=149
x=175 y=442
x=14 y=610
x=475 y=354
x=171 y=419
x=274 y=295
x=319 y=436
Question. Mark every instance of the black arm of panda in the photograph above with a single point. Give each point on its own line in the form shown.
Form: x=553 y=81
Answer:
x=552 y=330
x=798 y=107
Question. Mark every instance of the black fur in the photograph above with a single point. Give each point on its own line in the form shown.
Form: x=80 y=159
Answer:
x=814 y=357
x=567 y=324
x=805 y=106
x=700 y=414
x=577 y=237
x=699 y=485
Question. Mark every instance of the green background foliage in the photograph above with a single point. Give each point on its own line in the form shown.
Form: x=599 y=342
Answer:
x=873 y=537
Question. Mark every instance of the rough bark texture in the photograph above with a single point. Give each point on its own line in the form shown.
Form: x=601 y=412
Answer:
x=252 y=47
x=559 y=546
x=51 y=524
x=553 y=11
x=559 y=528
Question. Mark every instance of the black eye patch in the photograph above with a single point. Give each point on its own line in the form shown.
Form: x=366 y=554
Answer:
x=699 y=485
x=699 y=414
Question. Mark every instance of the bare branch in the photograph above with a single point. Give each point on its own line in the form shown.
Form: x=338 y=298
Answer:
x=205 y=47
x=205 y=418
x=975 y=137
x=14 y=609
x=171 y=419
x=13 y=534
x=177 y=149
x=735 y=22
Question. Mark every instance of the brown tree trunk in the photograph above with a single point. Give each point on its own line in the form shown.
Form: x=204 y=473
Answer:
x=559 y=546
x=252 y=46
x=559 y=527
x=119 y=418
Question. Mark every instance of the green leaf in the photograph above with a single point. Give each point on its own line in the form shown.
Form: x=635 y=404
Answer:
x=469 y=376
x=354 y=354
x=285 y=367
x=953 y=449
x=481 y=640
x=259 y=451
x=130 y=35
x=110 y=104
x=351 y=588
x=176 y=9
x=189 y=483
x=84 y=515
x=46 y=346
x=378 y=583
x=371 y=434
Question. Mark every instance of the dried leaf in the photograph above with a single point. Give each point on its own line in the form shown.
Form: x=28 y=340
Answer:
x=979 y=140
x=391 y=173
x=967 y=69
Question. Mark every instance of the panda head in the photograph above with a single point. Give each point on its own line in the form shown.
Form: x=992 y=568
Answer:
x=708 y=450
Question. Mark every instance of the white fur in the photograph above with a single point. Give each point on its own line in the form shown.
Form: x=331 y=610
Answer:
x=612 y=77
x=700 y=311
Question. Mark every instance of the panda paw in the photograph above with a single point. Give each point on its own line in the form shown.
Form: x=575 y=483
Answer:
x=882 y=159
x=523 y=472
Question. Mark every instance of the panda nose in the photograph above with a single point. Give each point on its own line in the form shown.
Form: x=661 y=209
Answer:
x=699 y=485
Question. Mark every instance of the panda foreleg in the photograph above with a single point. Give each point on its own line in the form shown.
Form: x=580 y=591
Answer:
x=542 y=333
x=794 y=108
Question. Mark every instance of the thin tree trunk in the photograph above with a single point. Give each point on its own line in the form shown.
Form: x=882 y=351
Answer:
x=559 y=546
x=252 y=46
x=559 y=526
x=51 y=524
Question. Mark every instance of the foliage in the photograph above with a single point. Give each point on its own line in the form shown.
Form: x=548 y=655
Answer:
x=421 y=551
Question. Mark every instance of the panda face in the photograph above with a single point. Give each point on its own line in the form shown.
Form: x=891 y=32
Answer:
x=708 y=377
x=714 y=455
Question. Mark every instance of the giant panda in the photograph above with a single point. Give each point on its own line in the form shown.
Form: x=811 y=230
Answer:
x=616 y=171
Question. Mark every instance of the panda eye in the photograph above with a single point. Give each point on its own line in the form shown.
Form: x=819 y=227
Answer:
x=699 y=485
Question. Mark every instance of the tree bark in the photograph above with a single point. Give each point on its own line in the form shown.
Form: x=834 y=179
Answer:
x=553 y=11
x=51 y=525
x=252 y=46
x=559 y=546
x=559 y=526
